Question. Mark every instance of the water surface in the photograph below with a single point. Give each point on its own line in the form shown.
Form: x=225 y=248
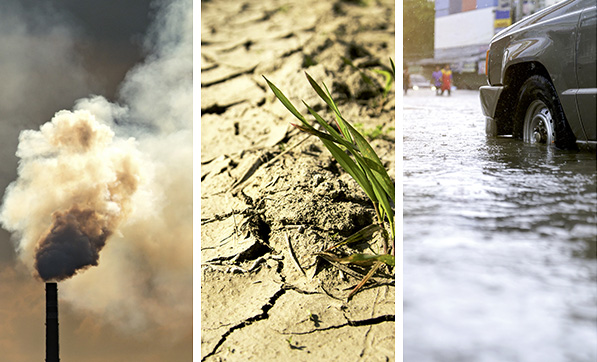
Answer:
x=499 y=241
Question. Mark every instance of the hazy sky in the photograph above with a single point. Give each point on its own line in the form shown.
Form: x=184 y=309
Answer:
x=58 y=54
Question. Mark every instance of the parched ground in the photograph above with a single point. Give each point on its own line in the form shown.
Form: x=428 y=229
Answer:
x=271 y=197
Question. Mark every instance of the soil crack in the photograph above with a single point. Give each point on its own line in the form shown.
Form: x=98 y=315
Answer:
x=372 y=321
x=298 y=290
x=217 y=109
x=349 y=323
x=263 y=315
x=229 y=77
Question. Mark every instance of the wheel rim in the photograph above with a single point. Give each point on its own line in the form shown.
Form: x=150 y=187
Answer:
x=538 y=124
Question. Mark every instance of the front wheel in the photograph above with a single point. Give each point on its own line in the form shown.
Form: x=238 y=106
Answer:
x=539 y=117
x=538 y=124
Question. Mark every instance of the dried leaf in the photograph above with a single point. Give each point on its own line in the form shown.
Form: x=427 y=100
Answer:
x=360 y=235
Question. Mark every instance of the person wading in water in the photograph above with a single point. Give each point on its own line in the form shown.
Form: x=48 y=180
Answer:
x=437 y=79
x=446 y=79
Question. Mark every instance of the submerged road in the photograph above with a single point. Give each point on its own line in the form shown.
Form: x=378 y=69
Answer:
x=499 y=241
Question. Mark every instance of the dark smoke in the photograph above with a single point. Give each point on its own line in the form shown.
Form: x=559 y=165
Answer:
x=73 y=243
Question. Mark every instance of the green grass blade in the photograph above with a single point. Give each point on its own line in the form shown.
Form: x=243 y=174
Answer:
x=351 y=167
x=359 y=168
x=367 y=259
x=360 y=235
x=393 y=68
x=382 y=196
x=379 y=191
x=381 y=174
x=387 y=259
x=364 y=76
x=348 y=62
x=367 y=79
x=362 y=165
x=314 y=132
x=388 y=78
x=318 y=90
x=278 y=93
x=327 y=98
x=330 y=129
x=339 y=119
x=392 y=229
x=373 y=162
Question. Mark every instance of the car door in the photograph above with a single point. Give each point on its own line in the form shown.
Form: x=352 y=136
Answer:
x=586 y=69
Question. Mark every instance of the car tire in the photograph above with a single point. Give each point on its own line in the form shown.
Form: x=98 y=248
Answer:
x=539 y=117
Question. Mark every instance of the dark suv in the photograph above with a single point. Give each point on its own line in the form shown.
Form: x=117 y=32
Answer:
x=541 y=75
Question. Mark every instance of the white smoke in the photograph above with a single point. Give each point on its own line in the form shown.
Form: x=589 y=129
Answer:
x=144 y=274
x=75 y=171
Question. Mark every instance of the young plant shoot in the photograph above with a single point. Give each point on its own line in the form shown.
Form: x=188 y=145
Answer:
x=356 y=156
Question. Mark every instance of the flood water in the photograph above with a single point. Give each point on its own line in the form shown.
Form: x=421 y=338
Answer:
x=499 y=241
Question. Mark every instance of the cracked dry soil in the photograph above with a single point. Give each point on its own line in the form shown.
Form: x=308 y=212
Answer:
x=271 y=197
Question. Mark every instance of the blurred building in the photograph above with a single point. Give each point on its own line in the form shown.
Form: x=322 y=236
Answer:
x=464 y=28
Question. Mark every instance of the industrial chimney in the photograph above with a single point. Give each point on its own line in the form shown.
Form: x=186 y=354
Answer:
x=52 y=323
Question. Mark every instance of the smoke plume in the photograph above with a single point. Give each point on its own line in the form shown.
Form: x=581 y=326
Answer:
x=76 y=171
x=78 y=234
x=110 y=186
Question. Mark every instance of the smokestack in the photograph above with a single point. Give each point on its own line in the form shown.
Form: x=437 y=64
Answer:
x=52 y=323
